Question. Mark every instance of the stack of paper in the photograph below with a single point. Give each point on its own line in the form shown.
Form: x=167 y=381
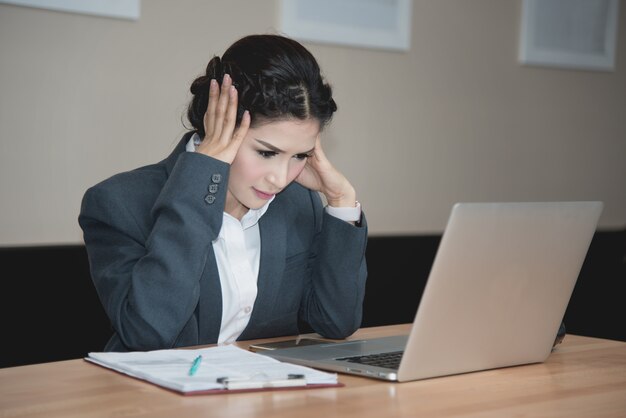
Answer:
x=219 y=365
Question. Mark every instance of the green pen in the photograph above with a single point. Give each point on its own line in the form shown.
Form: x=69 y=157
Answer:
x=195 y=365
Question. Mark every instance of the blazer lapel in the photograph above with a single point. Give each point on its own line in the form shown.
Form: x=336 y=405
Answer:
x=273 y=232
x=210 y=303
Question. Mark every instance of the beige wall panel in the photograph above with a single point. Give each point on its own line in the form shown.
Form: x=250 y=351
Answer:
x=456 y=118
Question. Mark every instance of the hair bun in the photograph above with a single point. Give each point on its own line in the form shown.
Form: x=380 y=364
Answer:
x=214 y=69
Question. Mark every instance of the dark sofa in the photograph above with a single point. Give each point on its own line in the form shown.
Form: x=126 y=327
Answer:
x=50 y=310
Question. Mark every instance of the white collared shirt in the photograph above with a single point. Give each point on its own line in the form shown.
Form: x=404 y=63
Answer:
x=238 y=253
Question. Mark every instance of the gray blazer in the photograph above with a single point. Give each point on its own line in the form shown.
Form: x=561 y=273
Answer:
x=149 y=232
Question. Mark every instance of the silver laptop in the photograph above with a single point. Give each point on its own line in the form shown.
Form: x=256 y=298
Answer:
x=495 y=297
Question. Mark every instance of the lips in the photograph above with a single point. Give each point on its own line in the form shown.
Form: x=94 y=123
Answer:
x=263 y=195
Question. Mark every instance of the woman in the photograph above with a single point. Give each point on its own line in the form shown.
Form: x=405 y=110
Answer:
x=227 y=238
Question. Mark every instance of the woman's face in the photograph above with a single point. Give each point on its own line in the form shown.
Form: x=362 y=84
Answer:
x=270 y=157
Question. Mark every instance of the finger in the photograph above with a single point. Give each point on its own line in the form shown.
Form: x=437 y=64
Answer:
x=318 y=155
x=209 y=116
x=231 y=148
x=309 y=177
x=222 y=104
x=319 y=151
x=241 y=132
x=230 y=119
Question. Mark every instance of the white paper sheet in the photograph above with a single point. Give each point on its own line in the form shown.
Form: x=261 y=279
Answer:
x=170 y=368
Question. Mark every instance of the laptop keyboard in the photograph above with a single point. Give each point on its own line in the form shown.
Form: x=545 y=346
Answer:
x=388 y=360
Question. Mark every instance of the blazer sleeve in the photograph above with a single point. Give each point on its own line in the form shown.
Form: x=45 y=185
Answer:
x=333 y=300
x=147 y=273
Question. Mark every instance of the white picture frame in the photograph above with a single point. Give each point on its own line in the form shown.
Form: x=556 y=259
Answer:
x=121 y=9
x=377 y=24
x=571 y=34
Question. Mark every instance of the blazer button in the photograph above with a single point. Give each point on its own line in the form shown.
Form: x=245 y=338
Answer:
x=209 y=199
x=216 y=178
x=213 y=188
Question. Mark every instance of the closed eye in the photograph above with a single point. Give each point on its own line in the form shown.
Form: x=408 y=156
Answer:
x=267 y=154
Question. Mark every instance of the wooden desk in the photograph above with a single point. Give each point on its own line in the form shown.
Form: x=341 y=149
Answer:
x=584 y=377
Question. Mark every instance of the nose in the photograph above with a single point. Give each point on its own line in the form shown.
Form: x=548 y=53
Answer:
x=279 y=176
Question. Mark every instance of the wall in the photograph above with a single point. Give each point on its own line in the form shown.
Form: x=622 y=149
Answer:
x=455 y=118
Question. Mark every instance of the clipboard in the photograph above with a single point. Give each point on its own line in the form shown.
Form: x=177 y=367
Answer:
x=264 y=389
x=222 y=369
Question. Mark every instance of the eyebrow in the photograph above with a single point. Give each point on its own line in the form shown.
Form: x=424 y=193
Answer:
x=276 y=149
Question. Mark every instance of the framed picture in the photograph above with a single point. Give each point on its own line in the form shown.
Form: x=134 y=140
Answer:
x=575 y=34
x=123 y=9
x=379 y=24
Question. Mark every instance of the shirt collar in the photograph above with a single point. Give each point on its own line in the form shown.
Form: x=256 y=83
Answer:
x=193 y=142
x=252 y=217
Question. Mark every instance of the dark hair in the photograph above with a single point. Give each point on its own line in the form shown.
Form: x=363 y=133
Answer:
x=276 y=78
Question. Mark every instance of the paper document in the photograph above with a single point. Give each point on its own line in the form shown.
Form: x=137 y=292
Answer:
x=221 y=368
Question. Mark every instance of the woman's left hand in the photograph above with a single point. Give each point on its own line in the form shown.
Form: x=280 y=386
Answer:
x=320 y=175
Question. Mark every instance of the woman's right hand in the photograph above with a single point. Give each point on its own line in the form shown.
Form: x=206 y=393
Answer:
x=222 y=140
